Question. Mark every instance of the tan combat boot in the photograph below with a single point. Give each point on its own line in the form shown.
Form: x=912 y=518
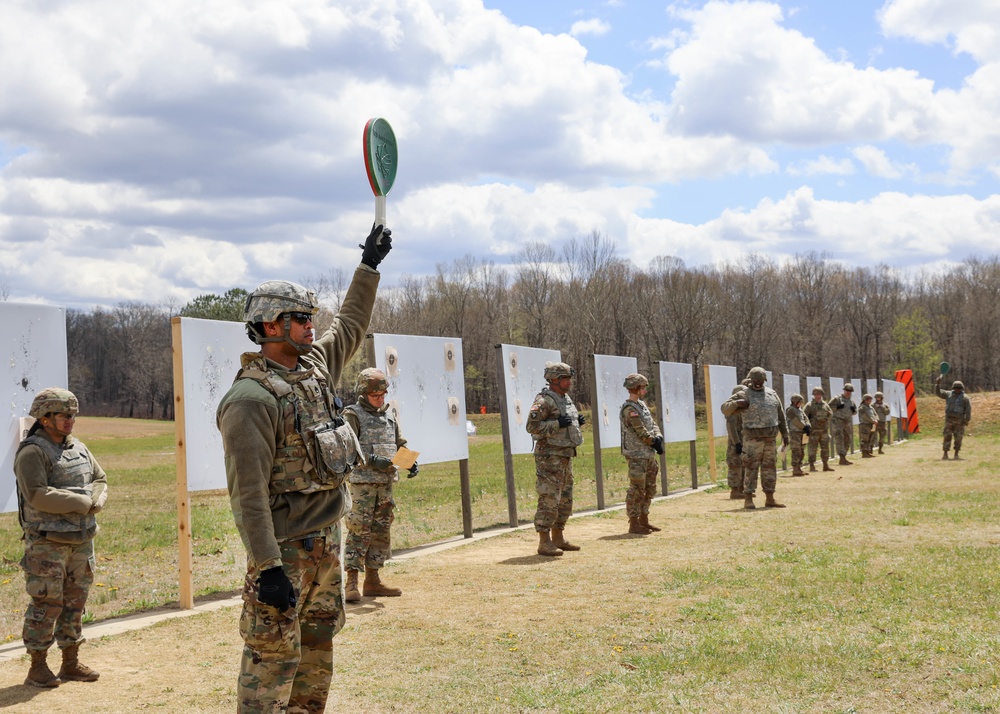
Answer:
x=735 y=494
x=748 y=502
x=561 y=543
x=797 y=471
x=769 y=501
x=957 y=457
x=545 y=545
x=812 y=467
x=644 y=522
x=867 y=455
x=73 y=670
x=374 y=587
x=880 y=449
x=827 y=467
x=945 y=457
x=635 y=527
x=351 y=592
x=39 y=675
x=844 y=461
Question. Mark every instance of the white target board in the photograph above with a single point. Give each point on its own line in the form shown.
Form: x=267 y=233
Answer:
x=858 y=393
x=677 y=402
x=610 y=373
x=871 y=386
x=811 y=384
x=34 y=357
x=427 y=392
x=210 y=359
x=522 y=379
x=894 y=394
x=722 y=380
x=790 y=384
x=836 y=388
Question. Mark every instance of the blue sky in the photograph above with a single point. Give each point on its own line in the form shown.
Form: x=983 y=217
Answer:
x=156 y=151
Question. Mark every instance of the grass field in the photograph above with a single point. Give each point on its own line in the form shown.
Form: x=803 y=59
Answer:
x=874 y=591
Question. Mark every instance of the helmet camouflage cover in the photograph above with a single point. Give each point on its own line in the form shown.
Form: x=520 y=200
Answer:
x=796 y=398
x=635 y=381
x=818 y=390
x=848 y=387
x=371 y=380
x=866 y=397
x=555 y=370
x=878 y=395
x=275 y=297
x=958 y=385
x=54 y=400
x=757 y=372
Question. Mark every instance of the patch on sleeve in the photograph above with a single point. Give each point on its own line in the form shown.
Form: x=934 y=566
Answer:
x=633 y=413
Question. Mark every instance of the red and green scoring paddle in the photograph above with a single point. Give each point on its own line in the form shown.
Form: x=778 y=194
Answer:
x=381 y=160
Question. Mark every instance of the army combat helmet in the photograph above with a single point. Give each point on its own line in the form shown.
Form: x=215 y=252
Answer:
x=272 y=299
x=54 y=400
x=555 y=370
x=634 y=381
x=957 y=386
x=371 y=380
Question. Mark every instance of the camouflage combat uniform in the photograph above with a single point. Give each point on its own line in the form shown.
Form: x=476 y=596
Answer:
x=882 y=426
x=638 y=432
x=957 y=415
x=798 y=425
x=763 y=420
x=843 y=409
x=734 y=451
x=819 y=415
x=368 y=541
x=60 y=488
x=288 y=509
x=555 y=446
x=867 y=421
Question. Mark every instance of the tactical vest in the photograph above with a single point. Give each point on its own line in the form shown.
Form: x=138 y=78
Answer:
x=568 y=437
x=763 y=410
x=377 y=437
x=843 y=409
x=954 y=406
x=69 y=469
x=882 y=410
x=819 y=414
x=801 y=415
x=632 y=445
x=867 y=415
x=316 y=449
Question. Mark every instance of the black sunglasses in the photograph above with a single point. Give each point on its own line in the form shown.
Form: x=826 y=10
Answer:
x=300 y=318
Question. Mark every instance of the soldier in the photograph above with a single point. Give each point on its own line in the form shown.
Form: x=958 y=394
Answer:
x=819 y=414
x=368 y=543
x=763 y=419
x=957 y=415
x=60 y=489
x=798 y=427
x=867 y=424
x=287 y=452
x=843 y=408
x=554 y=425
x=734 y=452
x=641 y=441
x=882 y=425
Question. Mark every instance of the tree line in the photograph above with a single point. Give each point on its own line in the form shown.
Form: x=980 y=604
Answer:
x=809 y=316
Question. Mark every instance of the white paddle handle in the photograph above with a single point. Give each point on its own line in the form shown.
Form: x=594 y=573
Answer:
x=380 y=214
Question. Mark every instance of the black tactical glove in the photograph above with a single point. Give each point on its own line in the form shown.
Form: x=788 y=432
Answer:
x=807 y=429
x=658 y=445
x=275 y=589
x=854 y=409
x=380 y=463
x=373 y=251
x=565 y=421
x=414 y=470
x=581 y=419
x=738 y=448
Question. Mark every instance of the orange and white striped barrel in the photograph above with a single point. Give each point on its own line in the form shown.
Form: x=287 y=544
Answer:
x=906 y=377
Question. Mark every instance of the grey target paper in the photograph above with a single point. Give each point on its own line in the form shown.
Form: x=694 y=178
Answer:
x=812 y=383
x=34 y=357
x=723 y=379
x=790 y=384
x=871 y=386
x=523 y=377
x=856 y=396
x=210 y=360
x=611 y=394
x=677 y=402
x=427 y=387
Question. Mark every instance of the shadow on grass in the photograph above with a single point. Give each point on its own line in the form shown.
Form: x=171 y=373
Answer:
x=529 y=560
x=17 y=693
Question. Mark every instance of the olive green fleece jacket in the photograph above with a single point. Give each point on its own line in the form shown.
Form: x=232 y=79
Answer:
x=252 y=427
x=32 y=468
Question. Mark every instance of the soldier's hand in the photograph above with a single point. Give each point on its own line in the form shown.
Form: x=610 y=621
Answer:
x=275 y=589
x=565 y=421
x=806 y=429
x=380 y=463
x=743 y=403
x=738 y=448
x=376 y=246
x=413 y=470
x=581 y=419
x=658 y=445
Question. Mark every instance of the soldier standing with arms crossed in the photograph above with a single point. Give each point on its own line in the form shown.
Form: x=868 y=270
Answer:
x=554 y=425
x=763 y=419
x=798 y=426
x=957 y=415
x=882 y=426
x=287 y=451
x=843 y=409
x=641 y=442
x=60 y=489
x=368 y=543
x=819 y=414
